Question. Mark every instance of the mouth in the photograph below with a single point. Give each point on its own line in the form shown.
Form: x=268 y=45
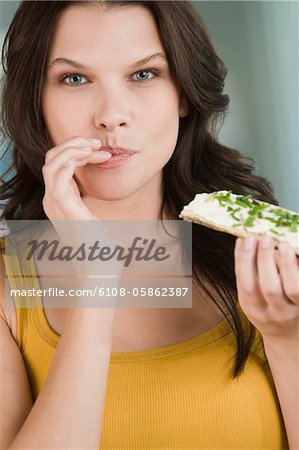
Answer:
x=119 y=157
x=118 y=150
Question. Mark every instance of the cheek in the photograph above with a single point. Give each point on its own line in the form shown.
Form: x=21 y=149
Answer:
x=165 y=110
x=62 y=121
x=162 y=128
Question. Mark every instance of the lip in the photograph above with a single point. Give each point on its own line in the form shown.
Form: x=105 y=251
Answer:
x=120 y=155
x=118 y=150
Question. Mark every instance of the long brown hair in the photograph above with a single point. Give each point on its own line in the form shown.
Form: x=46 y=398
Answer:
x=199 y=162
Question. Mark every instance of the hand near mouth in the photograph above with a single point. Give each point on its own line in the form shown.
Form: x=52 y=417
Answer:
x=62 y=199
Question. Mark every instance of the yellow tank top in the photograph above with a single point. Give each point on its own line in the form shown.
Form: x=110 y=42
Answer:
x=180 y=396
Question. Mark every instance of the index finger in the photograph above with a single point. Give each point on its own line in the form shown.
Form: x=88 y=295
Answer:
x=76 y=141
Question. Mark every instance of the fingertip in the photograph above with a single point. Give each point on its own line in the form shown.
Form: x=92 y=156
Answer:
x=105 y=154
x=284 y=248
x=266 y=242
x=95 y=141
x=238 y=243
x=249 y=243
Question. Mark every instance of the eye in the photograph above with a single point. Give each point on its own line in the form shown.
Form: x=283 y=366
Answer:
x=144 y=74
x=72 y=79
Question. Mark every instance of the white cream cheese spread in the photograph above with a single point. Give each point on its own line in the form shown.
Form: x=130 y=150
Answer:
x=237 y=214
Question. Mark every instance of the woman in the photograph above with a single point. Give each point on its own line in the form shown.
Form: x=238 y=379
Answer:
x=82 y=77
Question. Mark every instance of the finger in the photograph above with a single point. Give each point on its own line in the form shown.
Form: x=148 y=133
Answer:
x=96 y=157
x=51 y=206
x=268 y=276
x=289 y=272
x=79 y=156
x=246 y=274
x=50 y=169
x=61 y=201
x=77 y=142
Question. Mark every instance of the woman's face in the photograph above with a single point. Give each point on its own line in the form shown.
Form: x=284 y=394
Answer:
x=106 y=93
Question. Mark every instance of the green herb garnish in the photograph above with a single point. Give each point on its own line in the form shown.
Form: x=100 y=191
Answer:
x=276 y=232
x=222 y=198
x=256 y=210
x=249 y=222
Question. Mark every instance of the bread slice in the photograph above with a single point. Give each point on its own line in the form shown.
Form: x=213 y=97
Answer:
x=241 y=215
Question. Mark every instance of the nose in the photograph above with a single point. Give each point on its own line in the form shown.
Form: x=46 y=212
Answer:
x=112 y=110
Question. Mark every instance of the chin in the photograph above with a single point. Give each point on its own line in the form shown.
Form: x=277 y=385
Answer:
x=108 y=194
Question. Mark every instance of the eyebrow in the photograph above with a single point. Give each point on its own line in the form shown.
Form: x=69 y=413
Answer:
x=78 y=65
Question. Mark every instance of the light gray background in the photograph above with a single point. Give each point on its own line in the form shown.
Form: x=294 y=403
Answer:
x=258 y=41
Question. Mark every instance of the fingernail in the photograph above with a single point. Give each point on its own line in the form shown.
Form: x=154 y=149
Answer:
x=265 y=241
x=283 y=248
x=248 y=242
x=95 y=141
x=103 y=153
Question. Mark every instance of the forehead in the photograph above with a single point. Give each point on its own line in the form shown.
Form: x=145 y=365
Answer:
x=116 y=33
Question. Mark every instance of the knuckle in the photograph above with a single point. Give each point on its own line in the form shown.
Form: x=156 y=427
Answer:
x=248 y=289
x=56 y=196
x=272 y=291
x=49 y=155
x=51 y=196
x=45 y=203
x=292 y=293
x=45 y=169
